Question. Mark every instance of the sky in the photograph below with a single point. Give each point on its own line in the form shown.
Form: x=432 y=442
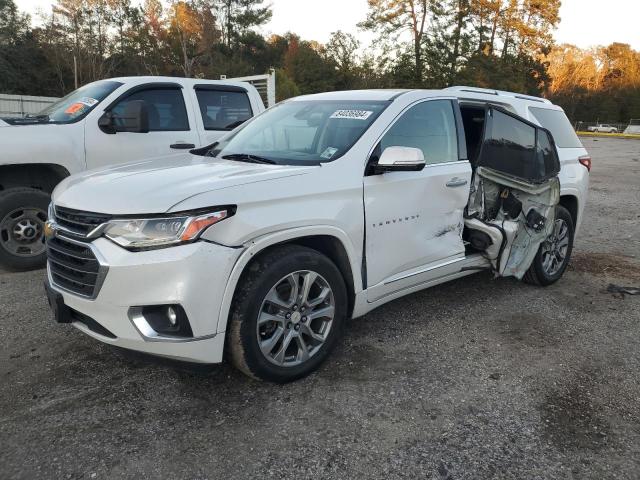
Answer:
x=584 y=23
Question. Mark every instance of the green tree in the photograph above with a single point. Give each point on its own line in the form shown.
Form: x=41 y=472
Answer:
x=238 y=16
x=342 y=51
x=392 y=18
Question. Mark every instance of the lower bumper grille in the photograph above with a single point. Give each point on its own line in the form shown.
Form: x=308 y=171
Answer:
x=74 y=267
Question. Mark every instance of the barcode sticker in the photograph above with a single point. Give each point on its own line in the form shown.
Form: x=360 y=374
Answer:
x=352 y=114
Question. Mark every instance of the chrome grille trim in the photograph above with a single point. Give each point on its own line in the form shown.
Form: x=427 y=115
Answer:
x=71 y=276
x=78 y=223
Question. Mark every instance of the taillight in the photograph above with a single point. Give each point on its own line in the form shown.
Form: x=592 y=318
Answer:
x=586 y=161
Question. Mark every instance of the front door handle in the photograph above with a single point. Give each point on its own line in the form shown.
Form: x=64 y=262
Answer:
x=456 y=182
x=182 y=146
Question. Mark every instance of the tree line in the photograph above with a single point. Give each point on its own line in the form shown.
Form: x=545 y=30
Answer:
x=503 y=44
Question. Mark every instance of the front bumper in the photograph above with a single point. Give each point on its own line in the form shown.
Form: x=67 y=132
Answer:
x=193 y=276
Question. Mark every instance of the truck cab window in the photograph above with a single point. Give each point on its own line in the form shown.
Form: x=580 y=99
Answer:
x=222 y=109
x=429 y=126
x=167 y=111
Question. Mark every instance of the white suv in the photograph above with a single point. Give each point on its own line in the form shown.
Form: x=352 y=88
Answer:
x=318 y=210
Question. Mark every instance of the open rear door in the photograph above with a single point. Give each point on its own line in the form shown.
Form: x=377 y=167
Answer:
x=515 y=190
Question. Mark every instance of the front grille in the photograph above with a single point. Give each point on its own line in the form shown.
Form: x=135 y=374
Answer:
x=79 y=222
x=73 y=266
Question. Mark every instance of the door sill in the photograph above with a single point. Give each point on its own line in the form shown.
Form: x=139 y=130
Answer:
x=435 y=275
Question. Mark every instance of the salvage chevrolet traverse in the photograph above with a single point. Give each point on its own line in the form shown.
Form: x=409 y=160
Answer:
x=320 y=209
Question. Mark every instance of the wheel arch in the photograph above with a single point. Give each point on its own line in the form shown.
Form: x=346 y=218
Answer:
x=41 y=176
x=571 y=203
x=330 y=241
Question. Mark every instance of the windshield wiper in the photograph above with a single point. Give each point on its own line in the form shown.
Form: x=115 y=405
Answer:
x=235 y=124
x=245 y=157
x=39 y=118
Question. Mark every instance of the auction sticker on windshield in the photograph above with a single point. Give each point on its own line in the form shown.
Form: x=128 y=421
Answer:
x=352 y=114
x=329 y=152
x=89 y=102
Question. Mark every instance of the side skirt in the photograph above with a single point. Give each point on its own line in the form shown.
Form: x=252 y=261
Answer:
x=450 y=271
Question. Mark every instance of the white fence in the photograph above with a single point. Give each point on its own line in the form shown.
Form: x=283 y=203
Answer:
x=265 y=84
x=21 y=105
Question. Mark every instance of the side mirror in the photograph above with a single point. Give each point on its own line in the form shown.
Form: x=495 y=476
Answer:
x=134 y=119
x=400 y=159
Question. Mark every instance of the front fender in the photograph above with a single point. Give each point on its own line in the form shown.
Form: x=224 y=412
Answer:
x=259 y=244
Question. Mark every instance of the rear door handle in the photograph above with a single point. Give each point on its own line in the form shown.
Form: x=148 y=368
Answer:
x=182 y=146
x=456 y=182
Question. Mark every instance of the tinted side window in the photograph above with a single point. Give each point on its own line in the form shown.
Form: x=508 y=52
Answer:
x=547 y=156
x=558 y=124
x=223 y=110
x=167 y=111
x=429 y=126
x=510 y=146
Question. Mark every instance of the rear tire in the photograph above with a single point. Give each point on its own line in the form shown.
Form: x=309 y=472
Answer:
x=554 y=254
x=23 y=212
x=277 y=332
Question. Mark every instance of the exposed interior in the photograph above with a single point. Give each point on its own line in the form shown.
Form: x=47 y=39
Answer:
x=514 y=188
x=473 y=119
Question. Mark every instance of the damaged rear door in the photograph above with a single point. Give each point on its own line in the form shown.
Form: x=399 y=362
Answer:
x=414 y=219
x=515 y=191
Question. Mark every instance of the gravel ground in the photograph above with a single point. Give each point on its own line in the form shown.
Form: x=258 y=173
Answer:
x=478 y=378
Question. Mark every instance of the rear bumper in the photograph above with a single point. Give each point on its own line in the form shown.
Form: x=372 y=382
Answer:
x=193 y=276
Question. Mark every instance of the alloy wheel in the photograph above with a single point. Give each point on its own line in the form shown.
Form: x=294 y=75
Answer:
x=295 y=318
x=554 y=253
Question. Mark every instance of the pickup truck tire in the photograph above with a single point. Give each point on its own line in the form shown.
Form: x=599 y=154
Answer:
x=279 y=332
x=560 y=245
x=23 y=212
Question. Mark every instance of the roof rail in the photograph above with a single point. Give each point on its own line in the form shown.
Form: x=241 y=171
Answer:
x=500 y=93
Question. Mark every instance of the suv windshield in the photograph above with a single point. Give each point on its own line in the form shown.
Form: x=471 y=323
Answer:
x=78 y=103
x=301 y=132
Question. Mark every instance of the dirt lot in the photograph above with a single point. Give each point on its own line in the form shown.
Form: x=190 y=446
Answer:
x=479 y=378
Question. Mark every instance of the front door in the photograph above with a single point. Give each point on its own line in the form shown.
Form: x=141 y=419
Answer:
x=414 y=220
x=171 y=130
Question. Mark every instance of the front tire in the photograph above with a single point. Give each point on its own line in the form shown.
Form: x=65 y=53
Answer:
x=23 y=212
x=287 y=314
x=554 y=254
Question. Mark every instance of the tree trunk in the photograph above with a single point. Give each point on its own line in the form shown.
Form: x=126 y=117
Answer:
x=456 y=42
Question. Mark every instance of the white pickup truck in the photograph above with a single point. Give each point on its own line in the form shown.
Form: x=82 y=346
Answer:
x=322 y=208
x=104 y=123
x=602 y=128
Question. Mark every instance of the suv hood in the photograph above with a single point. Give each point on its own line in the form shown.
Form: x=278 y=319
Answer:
x=157 y=185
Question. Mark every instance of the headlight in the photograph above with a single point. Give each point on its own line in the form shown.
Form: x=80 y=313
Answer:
x=144 y=233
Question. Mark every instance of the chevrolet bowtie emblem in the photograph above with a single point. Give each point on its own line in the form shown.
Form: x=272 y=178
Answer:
x=49 y=229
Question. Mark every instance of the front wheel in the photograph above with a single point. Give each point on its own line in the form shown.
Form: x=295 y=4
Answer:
x=554 y=254
x=287 y=314
x=23 y=212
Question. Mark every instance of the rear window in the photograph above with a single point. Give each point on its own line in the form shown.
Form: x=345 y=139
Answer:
x=558 y=124
x=223 y=110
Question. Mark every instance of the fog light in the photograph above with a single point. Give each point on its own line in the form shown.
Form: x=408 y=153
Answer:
x=164 y=320
x=173 y=316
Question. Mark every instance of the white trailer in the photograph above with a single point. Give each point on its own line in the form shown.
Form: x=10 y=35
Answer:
x=12 y=106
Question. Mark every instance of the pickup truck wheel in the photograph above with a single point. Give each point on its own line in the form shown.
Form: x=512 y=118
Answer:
x=23 y=212
x=287 y=314
x=554 y=254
